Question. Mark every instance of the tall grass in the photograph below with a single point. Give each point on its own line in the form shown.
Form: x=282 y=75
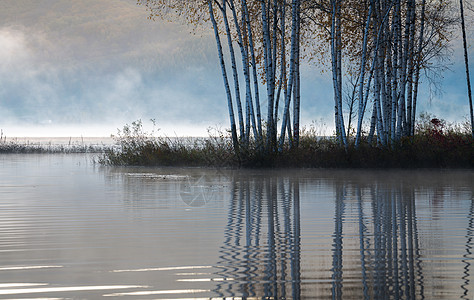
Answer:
x=436 y=144
x=15 y=146
x=137 y=147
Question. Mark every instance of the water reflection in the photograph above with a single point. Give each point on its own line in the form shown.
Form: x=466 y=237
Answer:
x=467 y=257
x=73 y=230
x=261 y=250
x=389 y=250
x=375 y=242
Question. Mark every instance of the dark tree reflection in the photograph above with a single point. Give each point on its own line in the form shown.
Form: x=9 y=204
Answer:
x=372 y=249
x=390 y=265
x=467 y=257
x=264 y=212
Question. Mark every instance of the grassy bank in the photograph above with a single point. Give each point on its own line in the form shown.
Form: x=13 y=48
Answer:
x=435 y=145
x=19 y=147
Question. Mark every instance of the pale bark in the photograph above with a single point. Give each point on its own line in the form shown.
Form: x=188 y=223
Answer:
x=292 y=73
x=466 y=61
x=245 y=66
x=377 y=100
x=374 y=60
x=234 y=71
x=282 y=81
x=339 y=70
x=297 y=97
x=401 y=125
x=254 y=67
x=362 y=74
x=373 y=121
x=267 y=57
x=336 y=55
x=395 y=69
x=418 y=65
x=224 y=76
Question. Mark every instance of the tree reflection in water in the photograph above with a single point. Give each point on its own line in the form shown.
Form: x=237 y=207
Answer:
x=261 y=251
x=467 y=257
x=261 y=255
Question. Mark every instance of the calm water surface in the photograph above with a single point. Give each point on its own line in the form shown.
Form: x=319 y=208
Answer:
x=70 y=229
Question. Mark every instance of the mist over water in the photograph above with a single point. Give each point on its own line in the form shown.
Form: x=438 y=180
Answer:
x=73 y=229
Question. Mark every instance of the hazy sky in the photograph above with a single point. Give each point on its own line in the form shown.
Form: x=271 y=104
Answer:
x=86 y=67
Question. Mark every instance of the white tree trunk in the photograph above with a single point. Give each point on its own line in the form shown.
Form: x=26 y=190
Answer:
x=254 y=67
x=267 y=57
x=466 y=60
x=224 y=76
x=286 y=111
x=245 y=66
x=395 y=68
x=336 y=56
x=234 y=71
x=282 y=81
x=362 y=75
x=297 y=97
x=418 y=65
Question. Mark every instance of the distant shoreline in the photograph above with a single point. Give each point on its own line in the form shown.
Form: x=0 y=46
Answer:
x=52 y=145
x=61 y=140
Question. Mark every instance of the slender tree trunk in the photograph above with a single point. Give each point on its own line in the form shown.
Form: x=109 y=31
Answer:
x=411 y=63
x=234 y=72
x=339 y=69
x=292 y=74
x=374 y=60
x=377 y=106
x=380 y=124
x=282 y=81
x=245 y=65
x=268 y=75
x=351 y=105
x=418 y=66
x=388 y=79
x=385 y=103
x=336 y=56
x=373 y=123
x=254 y=68
x=224 y=76
x=466 y=60
x=297 y=97
x=288 y=127
x=404 y=65
x=334 y=66
x=395 y=68
x=274 y=44
x=362 y=75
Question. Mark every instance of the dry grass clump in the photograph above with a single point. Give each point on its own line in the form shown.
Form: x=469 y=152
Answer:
x=434 y=145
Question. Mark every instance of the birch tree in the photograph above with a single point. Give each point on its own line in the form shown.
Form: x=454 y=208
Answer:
x=466 y=61
x=261 y=29
x=388 y=44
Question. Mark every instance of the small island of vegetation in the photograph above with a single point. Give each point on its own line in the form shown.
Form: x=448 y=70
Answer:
x=377 y=52
x=435 y=144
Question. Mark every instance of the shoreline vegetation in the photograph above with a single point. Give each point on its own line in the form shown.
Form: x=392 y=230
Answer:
x=50 y=145
x=435 y=144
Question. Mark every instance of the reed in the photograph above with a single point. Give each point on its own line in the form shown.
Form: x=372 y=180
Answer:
x=435 y=145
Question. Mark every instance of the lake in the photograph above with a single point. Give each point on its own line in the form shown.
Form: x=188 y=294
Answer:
x=70 y=228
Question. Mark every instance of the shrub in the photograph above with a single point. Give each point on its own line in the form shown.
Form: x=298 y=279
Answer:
x=435 y=144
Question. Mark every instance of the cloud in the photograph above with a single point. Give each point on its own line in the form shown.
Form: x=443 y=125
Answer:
x=103 y=62
x=13 y=48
